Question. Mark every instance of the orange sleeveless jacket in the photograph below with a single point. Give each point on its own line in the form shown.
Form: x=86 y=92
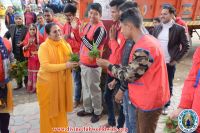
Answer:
x=89 y=31
x=151 y=91
x=191 y=90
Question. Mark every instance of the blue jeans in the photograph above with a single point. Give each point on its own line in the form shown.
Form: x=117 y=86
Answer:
x=170 y=71
x=77 y=84
x=108 y=96
x=130 y=114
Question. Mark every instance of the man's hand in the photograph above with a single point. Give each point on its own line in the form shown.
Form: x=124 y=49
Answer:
x=119 y=96
x=103 y=63
x=112 y=84
x=172 y=63
x=112 y=32
x=19 y=44
x=74 y=23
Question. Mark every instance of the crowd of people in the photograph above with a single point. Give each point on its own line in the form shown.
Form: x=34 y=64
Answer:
x=140 y=68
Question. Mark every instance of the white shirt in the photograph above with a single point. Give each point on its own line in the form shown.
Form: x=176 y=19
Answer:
x=163 y=38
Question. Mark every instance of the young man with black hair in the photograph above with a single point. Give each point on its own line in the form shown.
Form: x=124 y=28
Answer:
x=146 y=73
x=129 y=109
x=71 y=33
x=93 y=33
x=174 y=42
x=49 y=17
x=116 y=44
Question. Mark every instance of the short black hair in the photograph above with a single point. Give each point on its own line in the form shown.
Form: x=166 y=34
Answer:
x=127 y=5
x=132 y=15
x=116 y=3
x=169 y=7
x=48 y=27
x=157 y=19
x=97 y=7
x=70 y=8
x=49 y=10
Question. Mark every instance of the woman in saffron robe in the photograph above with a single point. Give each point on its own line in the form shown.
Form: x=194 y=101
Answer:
x=54 y=81
x=31 y=44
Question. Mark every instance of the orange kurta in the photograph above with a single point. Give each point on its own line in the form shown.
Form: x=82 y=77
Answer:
x=54 y=85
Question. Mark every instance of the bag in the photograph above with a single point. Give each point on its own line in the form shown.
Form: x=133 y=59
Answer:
x=26 y=53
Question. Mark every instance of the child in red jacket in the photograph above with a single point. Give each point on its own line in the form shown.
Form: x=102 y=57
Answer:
x=191 y=90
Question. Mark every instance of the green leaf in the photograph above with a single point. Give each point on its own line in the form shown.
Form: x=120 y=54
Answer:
x=74 y=58
x=95 y=52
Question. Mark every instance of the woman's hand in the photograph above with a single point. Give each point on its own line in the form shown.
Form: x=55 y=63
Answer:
x=71 y=65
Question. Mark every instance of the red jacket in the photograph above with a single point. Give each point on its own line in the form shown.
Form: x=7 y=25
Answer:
x=116 y=46
x=182 y=23
x=88 y=38
x=73 y=39
x=151 y=91
x=58 y=23
x=190 y=94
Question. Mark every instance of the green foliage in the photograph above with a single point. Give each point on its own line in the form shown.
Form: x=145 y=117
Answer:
x=18 y=71
x=74 y=58
x=94 y=53
x=170 y=125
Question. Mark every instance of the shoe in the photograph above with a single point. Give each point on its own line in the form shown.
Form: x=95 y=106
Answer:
x=76 y=104
x=95 y=118
x=83 y=113
x=164 y=111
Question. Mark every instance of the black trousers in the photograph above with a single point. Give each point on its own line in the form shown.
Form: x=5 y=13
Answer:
x=4 y=122
x=171 y=72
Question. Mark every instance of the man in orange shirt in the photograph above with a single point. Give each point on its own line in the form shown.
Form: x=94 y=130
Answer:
x=49 y=16
x=71 y=34
x=146 y=73
x=116 y=44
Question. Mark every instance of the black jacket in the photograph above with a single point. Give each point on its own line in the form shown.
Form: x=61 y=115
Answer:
x=178 y=44
x=17 y=51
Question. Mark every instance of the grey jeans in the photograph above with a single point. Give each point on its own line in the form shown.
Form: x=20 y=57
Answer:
x=92 y=95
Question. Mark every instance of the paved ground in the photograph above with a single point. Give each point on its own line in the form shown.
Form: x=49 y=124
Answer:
x=25 y=117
